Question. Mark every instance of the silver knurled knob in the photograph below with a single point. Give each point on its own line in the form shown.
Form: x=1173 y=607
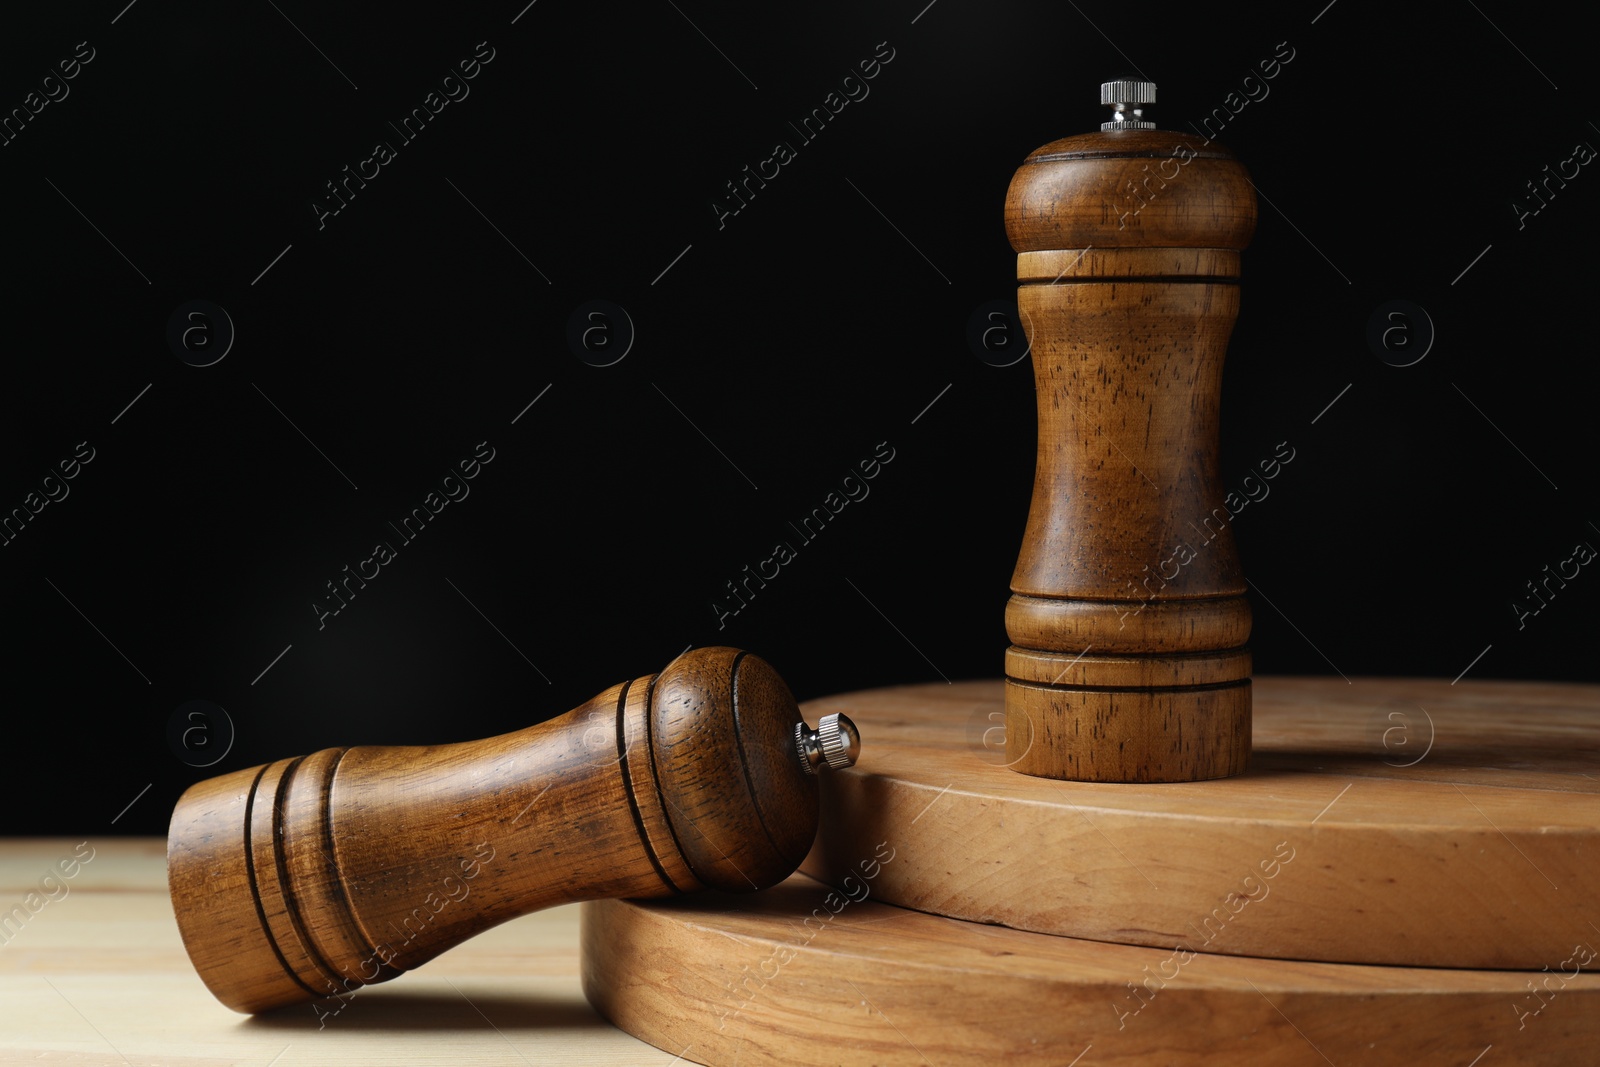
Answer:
x=1126 y=97
x=835 y=742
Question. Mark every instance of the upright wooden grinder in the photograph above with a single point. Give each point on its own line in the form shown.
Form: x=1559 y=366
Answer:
x=1128 y=619
x=307 y=878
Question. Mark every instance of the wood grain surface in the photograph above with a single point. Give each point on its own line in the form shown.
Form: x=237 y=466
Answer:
x=1128 y=249
x=306 y=879
x=97 y=977
x=801 y=974
x=1391 y=821
x=1178 y=190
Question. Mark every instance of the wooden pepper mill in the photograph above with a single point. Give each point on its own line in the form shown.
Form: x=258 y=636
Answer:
x=309 y=878
x=1128 y=619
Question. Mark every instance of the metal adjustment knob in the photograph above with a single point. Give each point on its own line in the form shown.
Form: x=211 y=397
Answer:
x=1126 y=97
x=835 y=742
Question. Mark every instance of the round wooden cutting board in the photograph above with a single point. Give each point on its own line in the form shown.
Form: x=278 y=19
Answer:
x=801 y=974
x=1380 y=821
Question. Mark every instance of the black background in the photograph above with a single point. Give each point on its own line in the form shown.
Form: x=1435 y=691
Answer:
x=822 y=319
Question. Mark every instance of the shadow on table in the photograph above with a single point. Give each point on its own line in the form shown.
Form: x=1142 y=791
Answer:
x=399 y=1009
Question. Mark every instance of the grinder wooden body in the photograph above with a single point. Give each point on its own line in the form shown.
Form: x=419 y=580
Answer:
x=307 y=878
x=1128 y=619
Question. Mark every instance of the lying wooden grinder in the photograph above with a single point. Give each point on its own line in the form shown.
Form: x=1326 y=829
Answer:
x=308 y=878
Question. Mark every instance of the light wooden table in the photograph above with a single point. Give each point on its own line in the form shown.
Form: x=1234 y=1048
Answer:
x=98 y=976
